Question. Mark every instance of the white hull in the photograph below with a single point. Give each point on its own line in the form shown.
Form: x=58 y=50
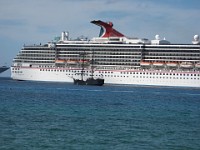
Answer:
x=132 y=77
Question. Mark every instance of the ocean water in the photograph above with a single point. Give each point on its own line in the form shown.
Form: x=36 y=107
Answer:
x=61 y=116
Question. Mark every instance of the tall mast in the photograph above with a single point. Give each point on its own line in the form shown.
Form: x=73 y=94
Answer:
x=92 y=62
x=82 y=64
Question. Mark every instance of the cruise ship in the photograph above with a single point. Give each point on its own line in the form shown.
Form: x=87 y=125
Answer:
x=113 y=57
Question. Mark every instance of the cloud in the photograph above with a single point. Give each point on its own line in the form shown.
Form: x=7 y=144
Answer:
x=48 y=16
x=28 y=21
x=11 y=22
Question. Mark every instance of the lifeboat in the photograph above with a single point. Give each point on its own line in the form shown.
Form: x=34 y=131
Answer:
x=197 y=65
x=60 y=61
x=145 y=63
x=172 y=64
x=72 y=61
x=186 y=65
x=158 y=64
x=83 y=61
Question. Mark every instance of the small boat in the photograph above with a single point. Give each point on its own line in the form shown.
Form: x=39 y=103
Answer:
x=172 y=64
x=145 y=63
x=197 y=65
x=186 y=65
x=60 y=61
x=72 y=61
x=158 y=64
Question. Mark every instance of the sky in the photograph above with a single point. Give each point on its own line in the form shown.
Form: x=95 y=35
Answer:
x=39 y=21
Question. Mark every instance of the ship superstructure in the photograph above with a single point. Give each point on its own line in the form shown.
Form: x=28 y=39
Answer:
x=113 y=57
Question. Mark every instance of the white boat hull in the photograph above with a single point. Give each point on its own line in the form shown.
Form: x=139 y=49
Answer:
x=132 y=77
x=172 y=65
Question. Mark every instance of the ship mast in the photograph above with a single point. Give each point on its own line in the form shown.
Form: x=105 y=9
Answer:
x=82 y=64
x=92 y=62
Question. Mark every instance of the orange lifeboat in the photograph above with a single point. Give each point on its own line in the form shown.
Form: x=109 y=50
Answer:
x=197 y=65
x=60 y=61
x=72 y=61
x=186 y=65
x=145 y=64
x=172 y=64
x=83 y=61
x=158 y=64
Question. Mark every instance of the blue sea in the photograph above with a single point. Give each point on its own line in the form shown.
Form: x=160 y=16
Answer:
x=63 y=116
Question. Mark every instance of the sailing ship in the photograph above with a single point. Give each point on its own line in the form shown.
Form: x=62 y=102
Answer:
x=91 y=80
